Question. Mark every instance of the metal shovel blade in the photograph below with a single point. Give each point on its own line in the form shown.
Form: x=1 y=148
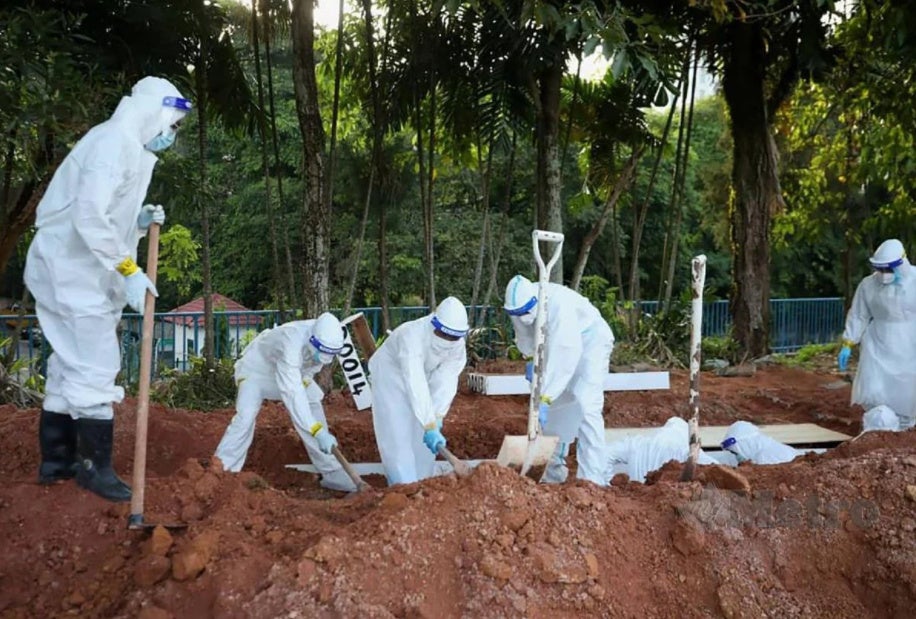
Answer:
x=136 y=523
x=515 y=450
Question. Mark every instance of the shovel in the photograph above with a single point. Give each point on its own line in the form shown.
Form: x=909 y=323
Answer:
x=460 y=466
x=361 y=485
x=540 y=339
x=135 y=520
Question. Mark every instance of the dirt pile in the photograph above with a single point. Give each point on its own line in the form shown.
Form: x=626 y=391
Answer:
x=831 y=535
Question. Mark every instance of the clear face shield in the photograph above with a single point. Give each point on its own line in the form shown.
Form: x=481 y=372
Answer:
x=526 y=313
x=321 y=354
x=729 y=446
x=174 y=109
x=889 y=273
x=445 y=338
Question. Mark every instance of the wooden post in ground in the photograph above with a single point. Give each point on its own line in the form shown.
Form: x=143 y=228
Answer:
x=698 y=269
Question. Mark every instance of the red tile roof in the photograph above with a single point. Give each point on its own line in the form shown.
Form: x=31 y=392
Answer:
x=220 y=303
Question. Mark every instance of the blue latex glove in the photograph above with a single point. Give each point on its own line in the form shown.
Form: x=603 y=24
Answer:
x=529 y=371
x=135 y=287
x=326 y=441
x=843 y=359
x=433 y=440
x=543 y=407
x=150 y=214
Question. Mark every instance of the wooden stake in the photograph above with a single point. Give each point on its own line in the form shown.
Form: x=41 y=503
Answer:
x=698 y=268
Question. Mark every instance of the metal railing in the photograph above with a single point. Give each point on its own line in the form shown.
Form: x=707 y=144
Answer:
x=177 y=337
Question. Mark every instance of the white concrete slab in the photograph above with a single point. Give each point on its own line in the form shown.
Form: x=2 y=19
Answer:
x=515 y=384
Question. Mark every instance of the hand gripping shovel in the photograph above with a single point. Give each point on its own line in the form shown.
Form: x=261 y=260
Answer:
x=135 y=521
x=540 y=338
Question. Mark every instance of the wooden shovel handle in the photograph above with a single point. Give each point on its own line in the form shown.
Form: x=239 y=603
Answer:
x=461 y=467
x=350 y=471
x=146 y=357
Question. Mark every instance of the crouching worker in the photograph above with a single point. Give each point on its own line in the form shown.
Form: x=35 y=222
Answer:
x=414 y=376
x=749 y=444
x=637 y=456
x=281 y=364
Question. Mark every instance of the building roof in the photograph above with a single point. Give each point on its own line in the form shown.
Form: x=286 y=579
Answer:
x=239 y=315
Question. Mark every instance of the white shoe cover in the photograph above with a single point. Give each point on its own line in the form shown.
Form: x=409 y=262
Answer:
x=337 y=480
x=555 y=473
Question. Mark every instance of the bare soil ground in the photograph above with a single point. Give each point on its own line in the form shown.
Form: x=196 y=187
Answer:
x=830 y=535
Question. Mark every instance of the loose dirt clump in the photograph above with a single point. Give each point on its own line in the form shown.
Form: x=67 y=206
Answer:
x=829 y=535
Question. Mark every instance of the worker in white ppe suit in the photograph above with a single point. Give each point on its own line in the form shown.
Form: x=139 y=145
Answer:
x=748 y=443
x=639 y=455
x=281 y=364
x=882 y=319
x=81 y=269
x=414 y=378
x=578 y=351
x=880 y=418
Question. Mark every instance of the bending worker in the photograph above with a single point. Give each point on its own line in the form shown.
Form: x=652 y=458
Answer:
x=281 y=364
x=639 y=455
x=882 y=319
x=414 y=377
x=578 y=352
x=81 y=268
x=749 y=444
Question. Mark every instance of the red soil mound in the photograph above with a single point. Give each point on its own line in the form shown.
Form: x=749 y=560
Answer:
x=829 y=535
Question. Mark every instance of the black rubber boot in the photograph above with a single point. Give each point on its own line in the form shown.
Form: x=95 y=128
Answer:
x=95 y=473
x=57 y=439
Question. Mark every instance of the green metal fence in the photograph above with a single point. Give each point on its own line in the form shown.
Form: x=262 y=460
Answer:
x=177 y=337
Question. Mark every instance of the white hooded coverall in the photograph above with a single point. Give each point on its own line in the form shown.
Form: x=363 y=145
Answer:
x=639 y=455
x=752 y=445
x=414 y=376
x=578 y=354
x=280 y=364
x=882 y=319
x=87 y=225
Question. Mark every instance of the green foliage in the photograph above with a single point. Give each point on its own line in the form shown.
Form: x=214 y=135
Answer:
x=812 y=356
x=178 y=257
x=720 y=348
x=19 y=384
x=198 y=388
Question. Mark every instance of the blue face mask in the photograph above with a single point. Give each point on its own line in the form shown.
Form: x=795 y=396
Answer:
x=161 y=142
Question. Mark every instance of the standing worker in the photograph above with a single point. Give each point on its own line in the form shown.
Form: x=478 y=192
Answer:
x=578 y=352
x=882 y=319
x=281 y=364
x=414 y=376
x=81 y=269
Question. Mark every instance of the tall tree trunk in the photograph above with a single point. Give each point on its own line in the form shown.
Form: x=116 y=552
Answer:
x=316 y=216
x=623 y=181
x=335 y=110
x=757 y=193
x=431 y=174
x=496 y=247
x=550 y=210
x=679 y=189
x=262 y=130
x=484 y=173
x=288 y=254
x=643 y=210
x=207 y=272
x=672 y=222
x=21 y=203
x=375 y=169
x=358 y=252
